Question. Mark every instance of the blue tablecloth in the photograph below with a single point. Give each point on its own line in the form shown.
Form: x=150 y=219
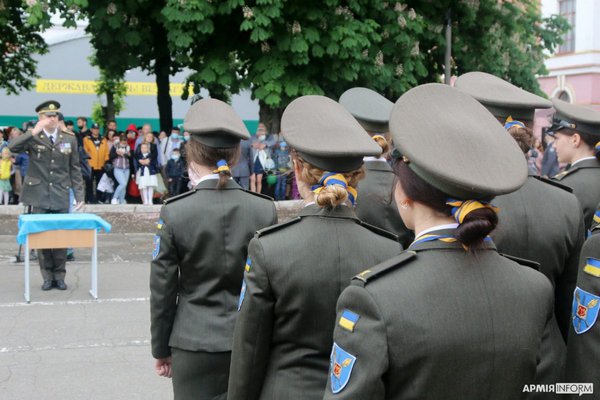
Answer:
x=34 y=223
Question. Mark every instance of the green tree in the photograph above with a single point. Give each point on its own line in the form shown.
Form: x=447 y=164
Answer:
x=20 y=42
x=114 y=90
x=505 y=38
x=125 y=34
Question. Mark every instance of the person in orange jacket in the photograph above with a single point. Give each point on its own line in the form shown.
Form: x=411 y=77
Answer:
x=97 y=148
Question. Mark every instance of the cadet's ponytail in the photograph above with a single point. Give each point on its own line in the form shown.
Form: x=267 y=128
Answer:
x=331 y=189
x=383 y=143
x=476 y=218
x=219 y=159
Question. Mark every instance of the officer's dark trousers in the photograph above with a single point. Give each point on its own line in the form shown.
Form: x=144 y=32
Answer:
x=52 y=261
x=200 y=375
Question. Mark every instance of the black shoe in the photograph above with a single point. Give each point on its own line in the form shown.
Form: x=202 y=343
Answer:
x=47 y=285
x=61 y=285
x=70 y=257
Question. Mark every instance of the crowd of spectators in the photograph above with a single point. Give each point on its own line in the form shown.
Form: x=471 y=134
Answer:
x=137 y=165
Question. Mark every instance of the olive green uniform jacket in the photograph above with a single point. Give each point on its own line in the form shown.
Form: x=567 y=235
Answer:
x=584 y=179
x=543 y=222
x=200 y=250
x=583 y=350
x=438 y=322
x=375 y=204
x=52 y=171
x=297 y=270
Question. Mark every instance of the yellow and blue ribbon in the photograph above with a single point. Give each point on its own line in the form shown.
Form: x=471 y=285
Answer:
x=462 y=208
x=334 y=178
x=221 y=167
x=597 y=217
x=441 y=238
x=509 y=123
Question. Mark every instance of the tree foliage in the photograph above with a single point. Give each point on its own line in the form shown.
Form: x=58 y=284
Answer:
x=282 y=49
x=20 y=42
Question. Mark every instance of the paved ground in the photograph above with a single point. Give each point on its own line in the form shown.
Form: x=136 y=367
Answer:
x=64 y=345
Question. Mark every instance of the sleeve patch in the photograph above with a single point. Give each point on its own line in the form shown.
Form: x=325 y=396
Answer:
x=160 y=224
x=156 y=247
x=592 y=267
x=340 y=367
x=585 y=310
x=348 y=320
x=242 y=295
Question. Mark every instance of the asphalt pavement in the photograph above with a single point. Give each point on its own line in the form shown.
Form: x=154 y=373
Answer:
x=64 y=345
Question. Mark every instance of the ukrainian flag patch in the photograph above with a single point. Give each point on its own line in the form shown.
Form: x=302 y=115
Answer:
x=597 y=217
x=348 y=320
x=160 y=224
x=248 y=264
x=592 y=267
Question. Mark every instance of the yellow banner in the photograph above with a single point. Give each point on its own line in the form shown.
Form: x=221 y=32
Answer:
x=89 y=87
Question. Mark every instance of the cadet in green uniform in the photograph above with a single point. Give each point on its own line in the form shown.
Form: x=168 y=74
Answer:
x=375 y=205
x=450 y=318
x=200 y=251
x=577 y=132
x=583 y=350
x=541 y=221
x=53 y=170
x=297 y=270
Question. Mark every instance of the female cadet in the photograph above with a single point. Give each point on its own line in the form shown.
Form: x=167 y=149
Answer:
x=552 y=234
x=577 y=133
x=451 y=318
x=297 y=270
x=199 y=256
x=375 y=205
x=583 y=351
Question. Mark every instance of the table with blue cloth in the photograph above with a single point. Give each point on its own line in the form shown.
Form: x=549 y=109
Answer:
x=45 y=231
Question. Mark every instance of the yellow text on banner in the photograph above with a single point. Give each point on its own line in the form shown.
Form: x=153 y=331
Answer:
x=89 y=87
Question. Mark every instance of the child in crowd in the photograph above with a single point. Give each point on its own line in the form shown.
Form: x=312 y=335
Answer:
x=120 y=158
x=175 y=168
x=283 y=165
x=146 y=170
x=6 y=170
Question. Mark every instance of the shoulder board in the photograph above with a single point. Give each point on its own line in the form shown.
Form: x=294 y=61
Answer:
x=264 y=196
x=378 y=270
x=277 y=227
x=380 y=231
x=561 y=175
x=523 y=261
x=554 y=183
x=67 y=132
x=180 y=196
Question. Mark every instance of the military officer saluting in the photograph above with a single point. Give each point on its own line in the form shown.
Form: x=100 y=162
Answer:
x=199 y=256
x=376 y=205
x=53 y=170
x=450 y=318
x=297 y=270
x=583 y=350
x=550 y=233
x=577 y=132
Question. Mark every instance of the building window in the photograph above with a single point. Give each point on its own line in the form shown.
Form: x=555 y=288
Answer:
x=567 y=10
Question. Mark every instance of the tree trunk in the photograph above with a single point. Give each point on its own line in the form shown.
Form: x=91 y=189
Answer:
x=110 y=107
x=271 y=117
x=162 y=71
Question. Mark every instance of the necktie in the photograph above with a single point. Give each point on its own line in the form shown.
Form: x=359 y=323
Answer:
x=52 y=139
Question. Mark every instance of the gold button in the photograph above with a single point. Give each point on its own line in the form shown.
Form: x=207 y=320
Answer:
x=50 y=183
x=29 y=183
x=51 y=160
x=51 y=172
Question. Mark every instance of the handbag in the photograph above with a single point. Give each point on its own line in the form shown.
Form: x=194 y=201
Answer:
x=160 y=188
x=106 y=184
x=132 y=188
